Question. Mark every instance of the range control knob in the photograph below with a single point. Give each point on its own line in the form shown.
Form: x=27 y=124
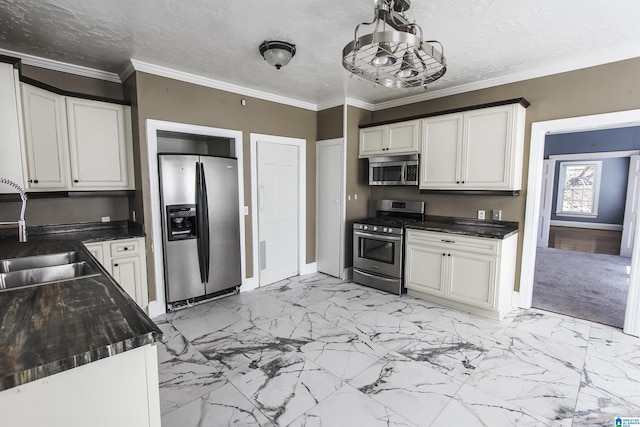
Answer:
x=390 y=230
x=386 y=230
x=375 y=228
x=364 y=227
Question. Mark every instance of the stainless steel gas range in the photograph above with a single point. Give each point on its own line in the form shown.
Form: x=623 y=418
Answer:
x=378 y=244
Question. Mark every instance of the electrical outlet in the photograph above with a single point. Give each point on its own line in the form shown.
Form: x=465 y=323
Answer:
x=480 y=214
x=106 y=218
x=496 y=214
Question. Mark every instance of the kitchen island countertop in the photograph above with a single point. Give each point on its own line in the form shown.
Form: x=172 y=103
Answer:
x=54 y=327
x=466 y=226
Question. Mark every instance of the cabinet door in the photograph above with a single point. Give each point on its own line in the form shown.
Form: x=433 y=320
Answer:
x=404 y=138
x=425 y=269
x=472 y=279
x=126 y=271
x=11 y=158
x=97 y=250
x=98 y=144
x=441 y=152
x=46 y=139
x=373 y=141
x=487 y=148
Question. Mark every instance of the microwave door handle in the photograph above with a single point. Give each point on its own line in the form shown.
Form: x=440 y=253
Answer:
x=403 y=173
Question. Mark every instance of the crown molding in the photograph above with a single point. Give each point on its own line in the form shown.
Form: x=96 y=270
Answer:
x=216 y=84
x=585 y=61
x=64 y=67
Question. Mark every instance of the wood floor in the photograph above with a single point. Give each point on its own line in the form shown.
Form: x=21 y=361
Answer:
x=585 y=240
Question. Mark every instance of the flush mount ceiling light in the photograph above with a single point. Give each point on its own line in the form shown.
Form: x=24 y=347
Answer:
x=277 y=53
x=393 y=54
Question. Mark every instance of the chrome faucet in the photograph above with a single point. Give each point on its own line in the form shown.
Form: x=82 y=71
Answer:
x=22 y=224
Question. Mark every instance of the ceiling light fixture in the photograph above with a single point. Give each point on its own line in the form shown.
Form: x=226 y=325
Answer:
x=277 y=53
x=397 y=56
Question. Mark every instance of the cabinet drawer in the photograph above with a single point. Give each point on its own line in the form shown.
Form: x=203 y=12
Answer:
x=122 y=248
x=453 y=241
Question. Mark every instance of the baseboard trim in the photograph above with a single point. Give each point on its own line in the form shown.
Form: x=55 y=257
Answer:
x=249 y=284
x=156 y=309
x=309 y=268
x=590 y=225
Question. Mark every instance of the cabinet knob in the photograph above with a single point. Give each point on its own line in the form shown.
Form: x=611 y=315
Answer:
x=33 y=181
x=457 y=182
x=115 y=265
x=76 y=181
x=448 y=254
x=126 y=248
x=444 y=254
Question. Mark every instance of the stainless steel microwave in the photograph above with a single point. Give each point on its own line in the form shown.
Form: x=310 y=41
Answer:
x=393 y=170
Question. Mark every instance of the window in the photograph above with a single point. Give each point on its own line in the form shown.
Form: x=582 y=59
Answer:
x=579 y=188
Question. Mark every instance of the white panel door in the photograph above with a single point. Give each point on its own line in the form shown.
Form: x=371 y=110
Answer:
x=277 y=211
x=10 y=141
x=45 y=131
x=631 y=207
x=546 y=201
x=487 y=148
x=97 y=144
x=329 y=207
x=441 y=150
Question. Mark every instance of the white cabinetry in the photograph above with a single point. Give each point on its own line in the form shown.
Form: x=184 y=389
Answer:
x=472 y=273
x=480 y=149
x=392 y=139
x=120 y=390
x=10 y=136
x=76 y=144
x=126 y=261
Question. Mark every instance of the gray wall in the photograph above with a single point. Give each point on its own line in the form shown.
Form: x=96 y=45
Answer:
x=614 y=171
x=613 y=193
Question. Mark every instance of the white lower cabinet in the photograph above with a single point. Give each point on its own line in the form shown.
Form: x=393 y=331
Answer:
x=471 y=273
x=120 y=390
x=126 y=261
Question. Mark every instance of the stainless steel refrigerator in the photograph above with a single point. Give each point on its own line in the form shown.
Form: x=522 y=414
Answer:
x=201 y=229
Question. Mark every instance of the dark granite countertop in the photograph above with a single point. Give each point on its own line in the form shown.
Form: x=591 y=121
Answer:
x=87 y=232
x=53 y=327
x=467 y=226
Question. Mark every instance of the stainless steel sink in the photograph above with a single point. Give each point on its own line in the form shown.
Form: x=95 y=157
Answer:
x=42 y=269
x=38 y=261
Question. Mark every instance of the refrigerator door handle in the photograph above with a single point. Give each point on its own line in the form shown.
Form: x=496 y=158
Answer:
x=200 y=212
x=205 y=223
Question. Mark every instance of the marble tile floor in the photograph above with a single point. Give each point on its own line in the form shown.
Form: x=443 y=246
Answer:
x=316 y=351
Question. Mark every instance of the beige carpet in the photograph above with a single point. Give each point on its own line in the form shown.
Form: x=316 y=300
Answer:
x=587 y=286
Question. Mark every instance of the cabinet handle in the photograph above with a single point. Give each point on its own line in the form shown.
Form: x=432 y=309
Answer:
x=448 y=241
x=33 y=181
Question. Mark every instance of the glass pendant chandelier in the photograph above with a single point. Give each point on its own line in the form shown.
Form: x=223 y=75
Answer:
x=394 y=54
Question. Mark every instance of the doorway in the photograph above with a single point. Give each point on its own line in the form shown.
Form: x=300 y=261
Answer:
x=155 y=127
x=278 y=182
x=330 y=206
x=534 y=191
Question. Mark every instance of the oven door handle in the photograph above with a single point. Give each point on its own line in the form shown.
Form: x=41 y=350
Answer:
x=378 y=236
x=375 y=276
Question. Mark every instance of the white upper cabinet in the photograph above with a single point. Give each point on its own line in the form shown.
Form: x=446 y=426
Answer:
x=45 y=131
x=76 y=144
x=393 y=139
x=11 y=166
x=98 y=144
x=475 y=150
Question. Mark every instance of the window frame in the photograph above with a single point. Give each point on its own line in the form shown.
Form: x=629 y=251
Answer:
x=597 y=178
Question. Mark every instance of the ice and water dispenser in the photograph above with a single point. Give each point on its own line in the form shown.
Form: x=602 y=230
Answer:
x=182 y=222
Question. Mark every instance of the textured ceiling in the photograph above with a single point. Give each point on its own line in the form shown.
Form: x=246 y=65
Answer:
x=484 y=40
